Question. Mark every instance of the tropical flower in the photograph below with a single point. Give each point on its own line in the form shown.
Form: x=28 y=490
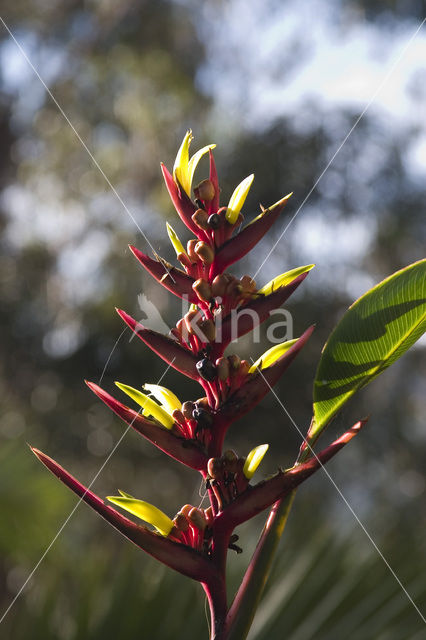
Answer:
x=145 y=511
x=238 y=198
x=161 y=412
x=184 y=168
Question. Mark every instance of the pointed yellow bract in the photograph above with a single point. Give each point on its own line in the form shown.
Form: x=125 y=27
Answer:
x=284 y=279
x=272 y=355
x=149 y=406
x=166 y=397
x=254 y=459
x=237 y=199
x=184 y=168
x=177 y=245
x=145 y=511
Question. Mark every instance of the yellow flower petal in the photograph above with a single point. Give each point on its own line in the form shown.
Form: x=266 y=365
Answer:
x=167 y=398
x=254 y=459
x=284 y=279
x=177 y=245
x=270 y=356
x=184 y=168
x=150 y=407
x=238 y=198
x=192 y=165
x=180 y=167
x=145 y=511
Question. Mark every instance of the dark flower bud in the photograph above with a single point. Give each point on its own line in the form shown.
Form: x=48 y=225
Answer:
x=214 y=221
x=203 y=417
x=206 y=369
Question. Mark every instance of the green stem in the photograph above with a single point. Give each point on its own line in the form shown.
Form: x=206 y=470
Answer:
x=246 y=601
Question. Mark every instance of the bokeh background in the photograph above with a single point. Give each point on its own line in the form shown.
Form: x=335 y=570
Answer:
x=277 y=85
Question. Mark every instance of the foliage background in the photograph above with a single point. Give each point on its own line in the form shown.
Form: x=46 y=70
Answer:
x=277 y=85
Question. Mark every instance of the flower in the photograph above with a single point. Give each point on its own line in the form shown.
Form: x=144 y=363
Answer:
x=149 y=406
x=184 y=168
x=284 y=279
x=177 y=245
x=144 y=511
x=254 y=459
x=238 y=198
x=272 y=355
x=166 y=397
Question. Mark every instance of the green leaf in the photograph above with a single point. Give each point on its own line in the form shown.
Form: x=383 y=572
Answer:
x=374 y=332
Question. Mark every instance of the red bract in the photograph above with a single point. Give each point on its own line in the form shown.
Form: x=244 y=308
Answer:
x=196 y=541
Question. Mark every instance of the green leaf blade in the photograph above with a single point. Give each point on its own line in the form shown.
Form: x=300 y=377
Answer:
x=375 y=331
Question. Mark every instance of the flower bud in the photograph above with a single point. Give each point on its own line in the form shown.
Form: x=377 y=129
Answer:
x=202 y=289
x=205 y=191
x=186 y=509
x=214 y=221
x=178 y=416
x=230 y=455
x=234 y=364
x=206 y=369
x=197 y=517
x=187 y=409
x=190 y=248
x=204 y=252
x=219 y=285
x=179 y=325
x=244 y=368
x=215 y=467
x=200 y=218
x=181 y=523
x=222 y=365
x=204 y=418
x=209 y=329
x=191 y=318
x=202 y=403
x=248 y=284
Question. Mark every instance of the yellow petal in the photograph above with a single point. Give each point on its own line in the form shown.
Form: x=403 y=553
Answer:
x=238 y=198
x=177 y=245
x=180 y=167
x=192 y=165
x=150 y=407
x=145 y=511
x=254 y=459
x=167 y=398
x=270 y=356
x=284 y=279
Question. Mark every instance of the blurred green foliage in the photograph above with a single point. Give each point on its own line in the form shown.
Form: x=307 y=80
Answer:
x=127 y=76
